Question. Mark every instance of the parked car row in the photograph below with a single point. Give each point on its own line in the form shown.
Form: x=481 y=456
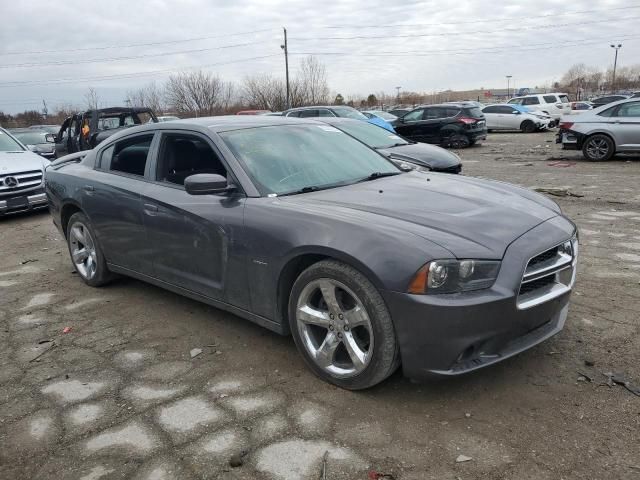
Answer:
x=367 y=266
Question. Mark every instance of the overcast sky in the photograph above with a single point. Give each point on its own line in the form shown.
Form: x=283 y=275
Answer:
x=417 y=45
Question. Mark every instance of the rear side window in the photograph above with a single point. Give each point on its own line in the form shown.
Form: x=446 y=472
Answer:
x=564 y=98
x=516 y=101
x=629 y=110
x=293 y=114
x=530 y=101
x=474 y=112
x=414 y=115
x=434 y=113
x=130 y=155
x=323 y=112
x=309 y=113
x=452 y=112
x=492 y=109
x=550 y=98
x=608 y=112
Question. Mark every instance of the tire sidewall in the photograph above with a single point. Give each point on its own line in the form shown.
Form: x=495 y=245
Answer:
x=102 y=273
x=610 y=143
x=528 y=126
x=384 y=340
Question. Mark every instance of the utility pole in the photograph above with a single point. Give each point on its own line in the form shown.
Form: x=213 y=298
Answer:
x=615 y=64
x=45 y=110
x=508 y=86
x=398 y=89
x=286 y=65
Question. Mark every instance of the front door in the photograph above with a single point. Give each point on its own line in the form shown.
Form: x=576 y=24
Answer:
x=195 y=239
x=410 y=125
x=626 y=126
x=111 y=199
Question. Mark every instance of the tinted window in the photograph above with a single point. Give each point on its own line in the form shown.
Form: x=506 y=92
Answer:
x=474 y=112
x=293 y=114
x=414 y=115
x=283 y=159
x=130 y=155
x=348 y=112
x=564 y=98
x=433 y=113
x=505 y=109
x=452 y=112
x=184 y=155
x=629 y=110
x=491 y=109
x=105 y=157
x=530 y=101
x=516 y=101
x=550 y=98
x=323 y=112
x=309 y=113
x=608 y=112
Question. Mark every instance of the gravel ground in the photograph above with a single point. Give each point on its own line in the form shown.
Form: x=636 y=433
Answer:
x=120 y=396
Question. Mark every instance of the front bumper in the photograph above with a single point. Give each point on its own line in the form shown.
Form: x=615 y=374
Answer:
x=22 y=203
x=448 y=335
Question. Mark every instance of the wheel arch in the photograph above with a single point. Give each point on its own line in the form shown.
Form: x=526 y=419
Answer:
x=300 y=261
x=67 y=210
x=586 y=137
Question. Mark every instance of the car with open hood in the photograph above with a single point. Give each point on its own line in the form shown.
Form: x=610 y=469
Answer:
x=301 y=228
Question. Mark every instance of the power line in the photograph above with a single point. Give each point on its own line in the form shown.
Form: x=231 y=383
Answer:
x=167 y=42
x=457 y=34
x=497 y=49
x=127 y=75
x=488 y=20
x=116 y=59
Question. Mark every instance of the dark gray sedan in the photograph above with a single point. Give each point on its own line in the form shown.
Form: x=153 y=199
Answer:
x=302 y=229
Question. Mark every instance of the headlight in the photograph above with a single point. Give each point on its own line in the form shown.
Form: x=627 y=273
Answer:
x=408 y=166
x=451 y=276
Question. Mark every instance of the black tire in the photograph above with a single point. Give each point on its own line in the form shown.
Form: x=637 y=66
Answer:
x=598 y=148
x=528 y=126
x=385 y=354
x=456 y=140
x=101 y=275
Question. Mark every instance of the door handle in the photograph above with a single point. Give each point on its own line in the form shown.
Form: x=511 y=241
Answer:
x=150 y=208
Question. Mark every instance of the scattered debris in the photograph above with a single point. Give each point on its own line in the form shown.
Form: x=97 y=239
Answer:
x=218 y=352
x=195 y=352
x=561 y=164
x=558 y=192
x=28 y=260
x=373 y=475
x=620 y=379
x=468 y=415
x=463 y=458
x=323 y=468
x=589 y=363
x=66 y=329
x=584 y=377
x=44 y=341
x=237 y=459
x=46 y=349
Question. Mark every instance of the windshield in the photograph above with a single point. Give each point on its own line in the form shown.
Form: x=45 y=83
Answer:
x=8 y=144
x=371 y=135
x=516 y=101
x=287 y=158
x=346 y=112
x=31 y=138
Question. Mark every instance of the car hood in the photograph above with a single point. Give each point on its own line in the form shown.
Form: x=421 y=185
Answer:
x=471 y=218
x=423 y=154
x=16 y=162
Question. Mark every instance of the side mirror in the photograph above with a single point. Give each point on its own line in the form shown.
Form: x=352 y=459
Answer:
x=517 y=112
x=207 y=184
x=50 y=138
x=32 y=148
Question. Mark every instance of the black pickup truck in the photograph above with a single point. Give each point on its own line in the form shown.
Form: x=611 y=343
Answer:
x=84 y=130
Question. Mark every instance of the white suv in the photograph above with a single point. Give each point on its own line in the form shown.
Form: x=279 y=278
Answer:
x=554 y=104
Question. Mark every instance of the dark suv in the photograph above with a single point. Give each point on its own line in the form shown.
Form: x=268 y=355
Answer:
x=456 y=125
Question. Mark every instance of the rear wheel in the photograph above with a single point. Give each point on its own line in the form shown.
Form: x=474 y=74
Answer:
x=528 y=126
x=342 y=327
x=86 y=254
x=598 y=148
x=456 y=140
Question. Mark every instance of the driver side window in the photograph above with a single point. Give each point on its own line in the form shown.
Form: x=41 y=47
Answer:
x=182 y=155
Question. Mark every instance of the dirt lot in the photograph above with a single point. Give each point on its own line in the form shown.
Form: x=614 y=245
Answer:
x=120 y=396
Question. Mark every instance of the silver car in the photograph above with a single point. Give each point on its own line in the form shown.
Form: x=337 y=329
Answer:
x=604 y=131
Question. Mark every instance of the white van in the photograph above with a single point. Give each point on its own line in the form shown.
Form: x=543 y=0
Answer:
x=554 y=104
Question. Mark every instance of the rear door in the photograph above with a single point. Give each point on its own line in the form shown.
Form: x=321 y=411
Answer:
x=111 y=199
x=195 y=240
x=492 y=117
x=626 y=126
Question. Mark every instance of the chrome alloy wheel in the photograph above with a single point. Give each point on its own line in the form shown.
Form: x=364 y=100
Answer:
x=597 y=148
x=83 y=250
x=335 y=328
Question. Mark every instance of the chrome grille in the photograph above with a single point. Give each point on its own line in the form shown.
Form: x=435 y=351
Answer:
x=548 y=274
x=18 y=182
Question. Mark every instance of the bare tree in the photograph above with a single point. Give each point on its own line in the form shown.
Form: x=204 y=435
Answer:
x=312 y=82
x=149 y=96
x=197 y=93
x=91 y=98
x=267 y=93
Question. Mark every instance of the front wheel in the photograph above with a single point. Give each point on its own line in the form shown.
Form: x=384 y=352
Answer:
x=86 y=254
x=342 y=327
x=598 y=148
x=528 y=126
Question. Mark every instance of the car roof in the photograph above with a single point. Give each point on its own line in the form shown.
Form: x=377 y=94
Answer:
x=310 y=107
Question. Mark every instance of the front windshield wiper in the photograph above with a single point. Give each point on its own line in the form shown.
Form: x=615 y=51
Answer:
x=375 y=175
x=382 y=147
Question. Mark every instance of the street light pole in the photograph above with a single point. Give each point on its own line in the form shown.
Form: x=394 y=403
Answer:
x=286 y=65
x=398 y=96
x=508 y=85
x=615 y=64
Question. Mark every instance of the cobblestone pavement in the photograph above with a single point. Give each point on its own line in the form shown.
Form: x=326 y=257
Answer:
x=120 y=395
